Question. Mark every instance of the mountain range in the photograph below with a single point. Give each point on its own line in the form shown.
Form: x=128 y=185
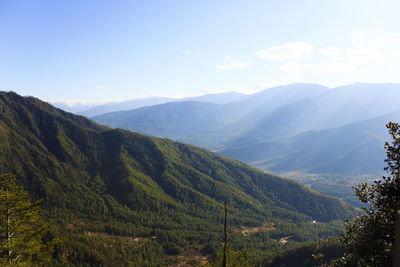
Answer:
x=356 y=147
x=327 y=138
x=95 y=108
x=278 y=126
x=98 y=181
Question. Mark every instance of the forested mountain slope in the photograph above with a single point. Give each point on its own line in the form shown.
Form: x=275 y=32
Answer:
x=275 y=125
x=49 y=148
x=124 y=183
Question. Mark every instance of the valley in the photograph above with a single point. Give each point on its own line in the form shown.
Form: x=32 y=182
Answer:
x=163 y=199
x=327 y=138
x=162 y=185
x=199 y=133
x=105 y=187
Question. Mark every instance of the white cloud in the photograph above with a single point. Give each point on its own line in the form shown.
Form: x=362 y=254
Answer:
x=101 y=87
x=186 y=52
x=176 y=82
x=234 y=64
x=333 y=60
x=364 y=54
x=395 y=54
x=286 y=52
x=330 y=51
x=347 y=60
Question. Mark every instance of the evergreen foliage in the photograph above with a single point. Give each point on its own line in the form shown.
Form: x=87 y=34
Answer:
x=234 y=258
x=310 y=255
x=22 y=231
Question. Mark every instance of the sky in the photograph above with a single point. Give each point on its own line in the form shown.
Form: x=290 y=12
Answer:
x=94 y=50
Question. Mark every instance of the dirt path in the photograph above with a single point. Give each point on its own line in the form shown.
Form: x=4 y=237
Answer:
x=285 y=239
x=251 y=230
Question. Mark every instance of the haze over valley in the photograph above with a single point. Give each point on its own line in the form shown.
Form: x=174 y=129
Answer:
x=308 y=132
x=199 y=133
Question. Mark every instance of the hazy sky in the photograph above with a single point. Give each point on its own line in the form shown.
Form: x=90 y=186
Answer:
x=111 y=50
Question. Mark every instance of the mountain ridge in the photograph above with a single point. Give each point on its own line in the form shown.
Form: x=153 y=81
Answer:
x=243 y=111
x=370 y=133
x=273 y=115
x=138 y=161
x=105 y=188
x=95 y=109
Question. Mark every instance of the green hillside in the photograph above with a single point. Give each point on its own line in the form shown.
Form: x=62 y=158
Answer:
x=101 y=185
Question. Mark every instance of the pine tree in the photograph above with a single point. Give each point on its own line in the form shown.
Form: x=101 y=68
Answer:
x=22 y=231
x=229 y=257
x=369 y=237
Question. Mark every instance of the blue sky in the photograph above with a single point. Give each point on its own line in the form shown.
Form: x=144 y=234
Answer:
x=114 y=50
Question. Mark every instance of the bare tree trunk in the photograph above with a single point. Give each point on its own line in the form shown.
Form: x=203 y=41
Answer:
x=8 y=233
x=225 y=239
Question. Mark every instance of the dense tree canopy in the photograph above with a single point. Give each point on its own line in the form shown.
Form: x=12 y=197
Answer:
x=21 y=229
x=122 y=198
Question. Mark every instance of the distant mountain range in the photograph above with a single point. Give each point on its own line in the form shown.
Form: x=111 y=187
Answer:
x=215 y=124
x=282 y=128
x=76 y=107
x=336 y=107
x=356 y=147
x=173 y=120
x=94 y=109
